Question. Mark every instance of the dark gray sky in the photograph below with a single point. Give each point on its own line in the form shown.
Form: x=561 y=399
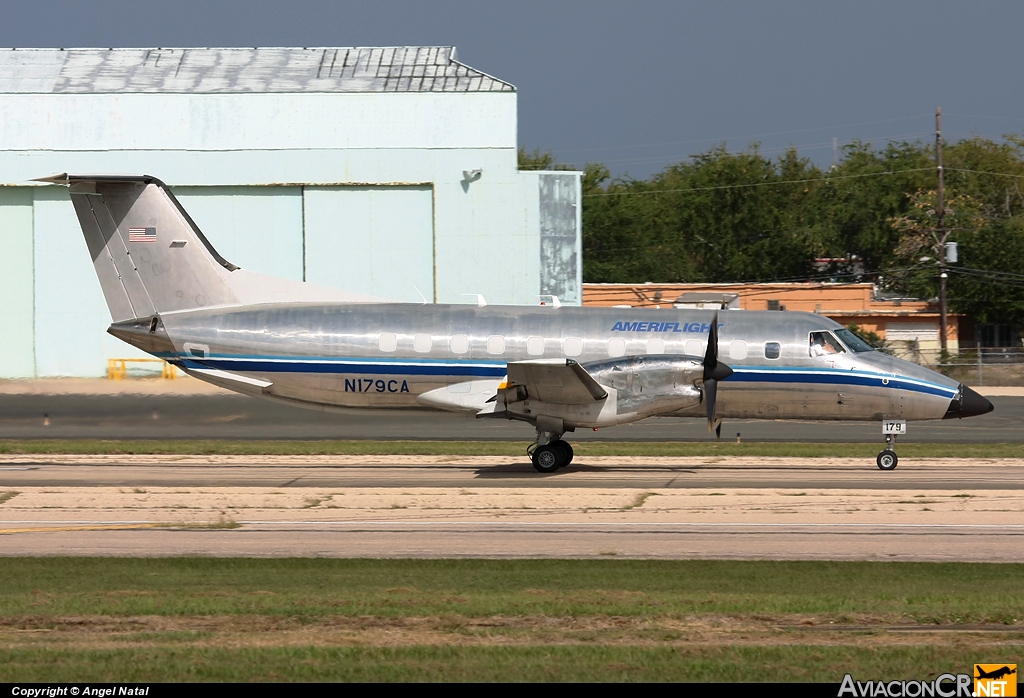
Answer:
x=639 y=85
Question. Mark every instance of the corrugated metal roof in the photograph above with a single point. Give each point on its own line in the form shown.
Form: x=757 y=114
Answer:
x=92 y=70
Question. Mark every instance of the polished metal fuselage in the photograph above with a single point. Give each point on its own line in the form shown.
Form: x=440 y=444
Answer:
x=343 y=355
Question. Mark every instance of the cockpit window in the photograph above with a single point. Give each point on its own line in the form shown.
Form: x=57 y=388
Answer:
x=856 y=344
x=824 y=344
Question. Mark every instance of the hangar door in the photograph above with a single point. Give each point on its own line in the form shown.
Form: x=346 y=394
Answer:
x=371 y=239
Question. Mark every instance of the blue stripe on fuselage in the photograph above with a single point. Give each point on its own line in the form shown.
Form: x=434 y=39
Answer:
x=761 y=374
x=497 y=369
x=359 y=366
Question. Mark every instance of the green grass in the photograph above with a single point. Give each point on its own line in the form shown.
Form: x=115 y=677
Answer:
x=505 y=448
x=207 y=619
x=786 y=663
x=98 y=619
x=315 y=588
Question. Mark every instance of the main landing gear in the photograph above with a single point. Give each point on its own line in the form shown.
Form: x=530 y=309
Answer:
x=550 y=453
x=887 y=459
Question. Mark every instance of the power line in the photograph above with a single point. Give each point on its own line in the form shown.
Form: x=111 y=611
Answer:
x=982 y=172
x=763 y=151
x=756 y=135
x=828 y=178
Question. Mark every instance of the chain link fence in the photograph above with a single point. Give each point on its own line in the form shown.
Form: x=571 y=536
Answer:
x=992 y=366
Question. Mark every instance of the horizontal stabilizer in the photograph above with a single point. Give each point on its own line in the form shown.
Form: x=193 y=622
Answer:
x=231 y=381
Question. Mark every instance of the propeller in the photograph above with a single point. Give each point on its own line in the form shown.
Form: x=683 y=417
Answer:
x=714 y=371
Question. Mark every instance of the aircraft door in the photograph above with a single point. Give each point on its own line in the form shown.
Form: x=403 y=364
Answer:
x=896 y=398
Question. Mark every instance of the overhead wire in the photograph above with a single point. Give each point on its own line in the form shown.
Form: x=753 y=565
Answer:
x=772 y=150
x=756 y=135
x=764 y=184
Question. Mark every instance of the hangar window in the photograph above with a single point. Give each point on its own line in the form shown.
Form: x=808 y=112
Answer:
x=655 y=346
x=387 y=342
x=460 y=344
x=421 y=343
x=772 y=350
x=535 y=346
x=573 y=346
x=495 y=344
x=616 y=347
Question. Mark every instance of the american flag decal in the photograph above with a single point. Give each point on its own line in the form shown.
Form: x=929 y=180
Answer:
x=141 y=234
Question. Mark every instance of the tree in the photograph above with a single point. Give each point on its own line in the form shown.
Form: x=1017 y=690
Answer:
x=721 y=216
x=537 y=160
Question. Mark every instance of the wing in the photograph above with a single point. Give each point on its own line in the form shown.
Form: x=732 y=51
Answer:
x=561 y=381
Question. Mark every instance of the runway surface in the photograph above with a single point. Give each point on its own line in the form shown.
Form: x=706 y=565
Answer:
x=228 y=416
x=436 y=506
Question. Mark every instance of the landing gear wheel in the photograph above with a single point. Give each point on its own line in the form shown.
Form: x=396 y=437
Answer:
x=566 y=452
x=887 y=460
x=547 y=459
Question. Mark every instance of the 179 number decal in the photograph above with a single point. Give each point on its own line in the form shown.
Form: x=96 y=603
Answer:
x=375 y=385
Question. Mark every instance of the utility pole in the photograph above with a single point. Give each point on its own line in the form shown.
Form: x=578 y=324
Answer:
x=940 y=230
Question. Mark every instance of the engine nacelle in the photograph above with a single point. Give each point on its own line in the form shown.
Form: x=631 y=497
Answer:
x=652 y=384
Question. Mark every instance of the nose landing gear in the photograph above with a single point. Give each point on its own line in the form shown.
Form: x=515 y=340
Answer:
x=887 y=459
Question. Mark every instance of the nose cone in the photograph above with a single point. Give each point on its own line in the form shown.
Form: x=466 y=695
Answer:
x=967 y=403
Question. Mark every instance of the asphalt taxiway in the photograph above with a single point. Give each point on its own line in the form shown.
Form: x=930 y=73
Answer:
x=450 y=506
x=222 y=415
x=437 y=506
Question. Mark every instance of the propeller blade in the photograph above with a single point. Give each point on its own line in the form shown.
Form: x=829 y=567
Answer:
x=711 y=354
x=710 y=396
x=714 y=371
x=718 y=430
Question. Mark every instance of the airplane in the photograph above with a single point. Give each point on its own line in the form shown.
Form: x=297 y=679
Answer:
x=555 y=367
x=995 y=674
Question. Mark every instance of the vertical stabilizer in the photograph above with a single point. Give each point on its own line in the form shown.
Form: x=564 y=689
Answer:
x=149 y=255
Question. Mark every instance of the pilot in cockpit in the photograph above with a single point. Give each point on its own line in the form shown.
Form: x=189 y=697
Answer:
x=823 y=344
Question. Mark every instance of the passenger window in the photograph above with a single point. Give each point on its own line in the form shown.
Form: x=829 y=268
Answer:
x=616 y=347
x=655 y=346
x=573 y=346
x=738 y=349
x=495 y=344
x=824 y=344
x=387 y=342
x=535 y=346
x=772 y=350
x=421 y=343
x=694 y=347
x=460 y=344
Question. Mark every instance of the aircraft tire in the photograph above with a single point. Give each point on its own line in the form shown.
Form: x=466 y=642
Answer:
x=887 y=460
x=547 y=459
x=566 y=452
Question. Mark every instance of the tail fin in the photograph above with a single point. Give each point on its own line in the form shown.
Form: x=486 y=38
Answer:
x=149 y=255
x=151 y=258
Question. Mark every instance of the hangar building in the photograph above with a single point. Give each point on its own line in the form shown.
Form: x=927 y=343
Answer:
x=389 y=171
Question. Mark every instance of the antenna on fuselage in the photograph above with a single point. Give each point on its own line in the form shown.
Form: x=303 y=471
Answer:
x=480 y=302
